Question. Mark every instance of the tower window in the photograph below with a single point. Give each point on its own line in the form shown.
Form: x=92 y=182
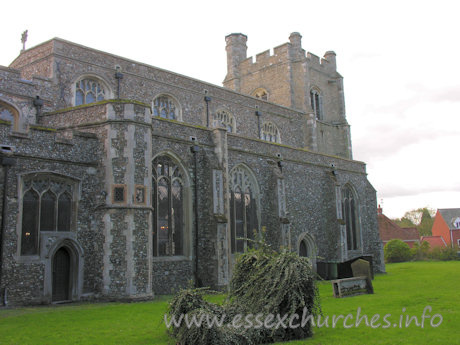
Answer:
x=316 y=103
x=261 y=94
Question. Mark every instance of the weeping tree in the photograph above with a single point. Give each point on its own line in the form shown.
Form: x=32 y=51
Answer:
x=265 y=283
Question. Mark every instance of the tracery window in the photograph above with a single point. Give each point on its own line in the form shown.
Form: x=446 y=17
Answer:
x=8 y=113
x=46 y=206
x=168 y=203
x=270 y=133
x=166 y=107
x=316 y=103
x=350 y=214
x=244 y=205
x=224 y=119
x=261 y=94
x=89 y=90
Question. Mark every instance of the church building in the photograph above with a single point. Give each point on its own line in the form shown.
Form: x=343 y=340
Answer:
x=120 y=180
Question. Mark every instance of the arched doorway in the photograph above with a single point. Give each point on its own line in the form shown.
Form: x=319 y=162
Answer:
x=61 y=275
x=307 y=248
x=303 y=249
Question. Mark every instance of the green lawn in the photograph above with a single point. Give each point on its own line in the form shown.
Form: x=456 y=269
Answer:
x=407 y=285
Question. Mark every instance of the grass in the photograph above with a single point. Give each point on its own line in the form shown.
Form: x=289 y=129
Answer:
x=411 y=285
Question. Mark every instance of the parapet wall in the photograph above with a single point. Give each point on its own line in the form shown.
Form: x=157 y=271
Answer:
x=264 y=59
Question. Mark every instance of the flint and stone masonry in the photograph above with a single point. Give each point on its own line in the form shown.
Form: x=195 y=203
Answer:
x=119 y=180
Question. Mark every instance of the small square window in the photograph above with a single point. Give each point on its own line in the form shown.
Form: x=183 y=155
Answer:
x=119 y=194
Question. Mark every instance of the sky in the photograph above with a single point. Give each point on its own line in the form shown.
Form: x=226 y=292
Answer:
x=400 y=62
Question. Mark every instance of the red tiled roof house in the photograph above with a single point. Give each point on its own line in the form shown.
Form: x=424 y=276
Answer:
x=447 y=225
x=389 y=230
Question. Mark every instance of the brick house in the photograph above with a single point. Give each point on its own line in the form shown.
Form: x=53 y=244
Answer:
x=120 y=180
x=447 y=225
x=389 y=230
x=434 y=241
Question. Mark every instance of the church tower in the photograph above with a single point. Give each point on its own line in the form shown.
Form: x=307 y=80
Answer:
x=299 y=80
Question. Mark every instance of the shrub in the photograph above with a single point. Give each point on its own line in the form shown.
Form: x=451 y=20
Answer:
x=444 y=253
x=396 y=251
x=264 y=282
x=420 y=251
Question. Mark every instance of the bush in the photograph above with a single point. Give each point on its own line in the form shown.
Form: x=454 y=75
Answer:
x=444 y=254
x=396 y=251
x=264 y=282
x=420 y=251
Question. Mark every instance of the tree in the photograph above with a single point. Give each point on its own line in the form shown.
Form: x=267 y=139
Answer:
x=426 y=223
x=421 y=218
x=396 y=251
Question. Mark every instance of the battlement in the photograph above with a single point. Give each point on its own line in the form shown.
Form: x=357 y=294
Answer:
x=326 y=62
x=265 y=59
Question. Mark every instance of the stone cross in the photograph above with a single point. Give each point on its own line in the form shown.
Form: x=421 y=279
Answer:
x=24 y=39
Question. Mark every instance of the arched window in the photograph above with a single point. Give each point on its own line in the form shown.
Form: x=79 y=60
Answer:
x=166 y=107
x=350 y=214
x=224 y=119
x=316 y=103
x=8 y=113
x=168 y=203
x=270 y=133
x=46 y=206
x=261 y=94
x=89 y=90
x=244 y=206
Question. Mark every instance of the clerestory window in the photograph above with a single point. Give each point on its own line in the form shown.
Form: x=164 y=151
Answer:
x=166 y=107
x=270 y=133
x=8 y=113
x=89 y=90
x=224 y=119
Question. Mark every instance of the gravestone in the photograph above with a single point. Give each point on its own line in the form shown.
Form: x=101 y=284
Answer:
x=361 y=268
x=352 y=286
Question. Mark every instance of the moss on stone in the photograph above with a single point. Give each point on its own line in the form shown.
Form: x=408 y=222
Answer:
x=106 y=101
